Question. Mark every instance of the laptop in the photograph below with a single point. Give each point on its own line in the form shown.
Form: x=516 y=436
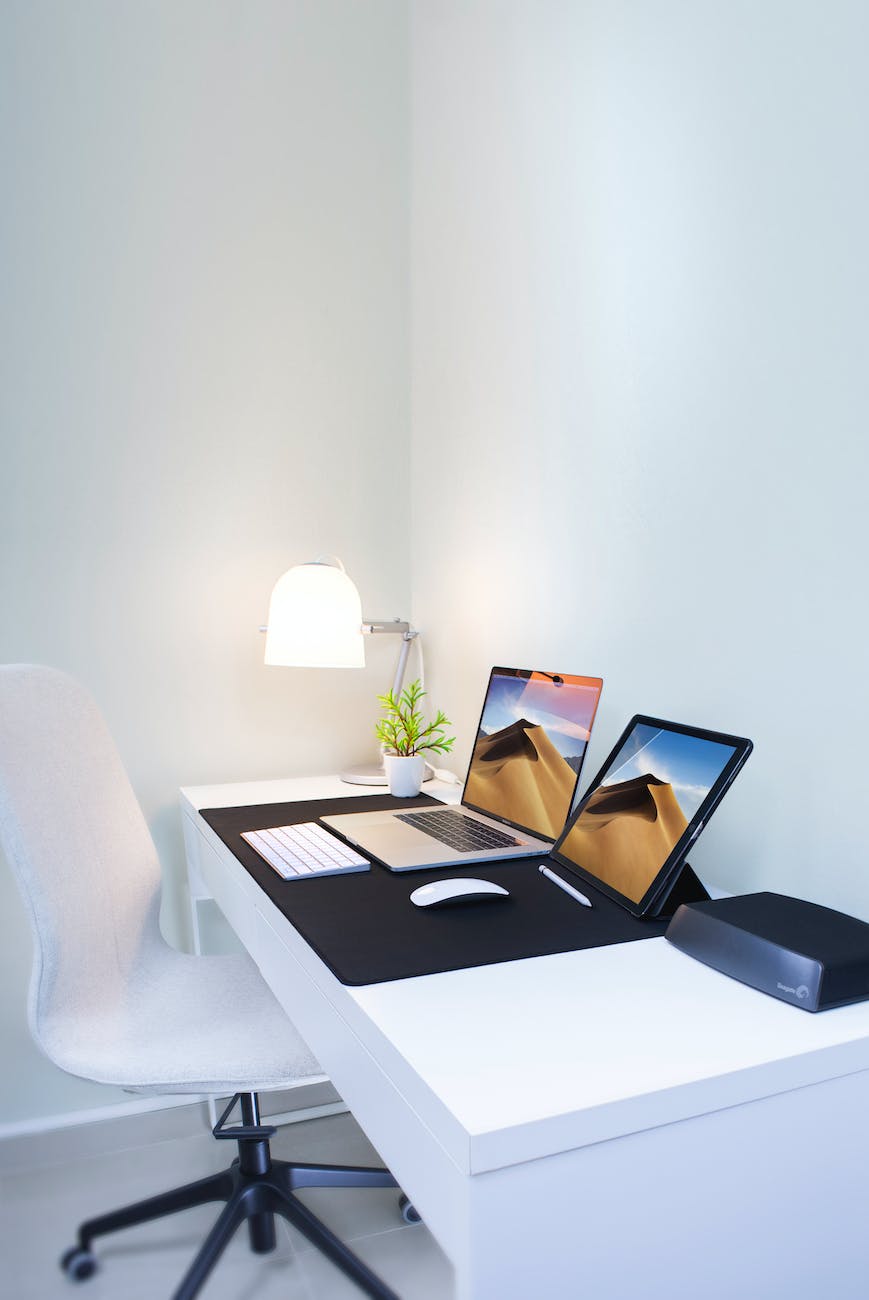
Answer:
x=524 y=770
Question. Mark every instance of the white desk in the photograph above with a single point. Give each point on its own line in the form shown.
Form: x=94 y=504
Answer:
x=616 y=1124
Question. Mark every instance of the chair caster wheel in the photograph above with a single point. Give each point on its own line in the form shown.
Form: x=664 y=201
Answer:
x=407 y=1211
x=78 y=1263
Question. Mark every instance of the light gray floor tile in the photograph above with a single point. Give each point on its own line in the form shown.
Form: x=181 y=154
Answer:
x=40 y=1210
x=55 y=1200
x=349 y=1212
x=336 y=1140
x=154 y=1274
x=407 y=1259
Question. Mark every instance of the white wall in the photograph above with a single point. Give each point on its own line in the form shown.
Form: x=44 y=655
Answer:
x=640 y=383
x=203 y=345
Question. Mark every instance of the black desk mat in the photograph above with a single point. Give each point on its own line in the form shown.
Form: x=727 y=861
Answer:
x=367 y=931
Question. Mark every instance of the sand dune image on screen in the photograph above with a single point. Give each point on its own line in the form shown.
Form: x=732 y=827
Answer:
x=626 y=832
x=518 y=773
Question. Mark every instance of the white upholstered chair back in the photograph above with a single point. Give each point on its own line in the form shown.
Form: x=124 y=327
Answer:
x=76 y=841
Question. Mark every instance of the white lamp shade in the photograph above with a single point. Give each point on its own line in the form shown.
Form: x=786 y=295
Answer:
x=315 y=620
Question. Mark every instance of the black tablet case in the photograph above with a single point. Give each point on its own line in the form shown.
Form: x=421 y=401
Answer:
x=367 y=931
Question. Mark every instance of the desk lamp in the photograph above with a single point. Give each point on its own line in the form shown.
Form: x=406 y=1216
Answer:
x=315 y=621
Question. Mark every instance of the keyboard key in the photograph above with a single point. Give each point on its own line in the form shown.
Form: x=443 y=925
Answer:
x=464 y=834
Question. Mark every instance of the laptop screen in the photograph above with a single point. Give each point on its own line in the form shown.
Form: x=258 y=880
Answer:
x=530 y=747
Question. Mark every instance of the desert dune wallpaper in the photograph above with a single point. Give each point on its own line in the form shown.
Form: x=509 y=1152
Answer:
x=530 y=748
x=631 y=823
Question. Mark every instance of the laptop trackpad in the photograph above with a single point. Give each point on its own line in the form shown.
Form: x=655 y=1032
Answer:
x=397 y=844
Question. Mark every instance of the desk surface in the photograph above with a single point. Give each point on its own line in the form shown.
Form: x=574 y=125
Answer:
x=512 y=1062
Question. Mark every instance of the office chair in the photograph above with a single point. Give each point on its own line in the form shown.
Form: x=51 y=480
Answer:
x=111 y=1001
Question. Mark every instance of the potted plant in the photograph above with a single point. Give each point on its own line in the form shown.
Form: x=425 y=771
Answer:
x=405 y=736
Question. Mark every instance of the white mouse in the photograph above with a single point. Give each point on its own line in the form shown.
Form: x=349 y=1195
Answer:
x=441 y=892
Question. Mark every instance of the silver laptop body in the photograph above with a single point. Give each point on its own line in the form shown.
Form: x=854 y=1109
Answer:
x=522 y=778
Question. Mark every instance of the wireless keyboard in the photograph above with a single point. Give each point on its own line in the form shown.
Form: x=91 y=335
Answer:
x=305 y=850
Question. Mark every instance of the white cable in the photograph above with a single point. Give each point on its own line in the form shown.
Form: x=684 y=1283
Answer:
x=444 y=774
x=421 y=660
x=439 y=773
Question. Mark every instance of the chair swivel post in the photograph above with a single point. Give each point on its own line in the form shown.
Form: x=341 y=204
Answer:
x=254 y=1163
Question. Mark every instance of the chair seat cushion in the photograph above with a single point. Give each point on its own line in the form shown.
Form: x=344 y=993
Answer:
x=182 y=1024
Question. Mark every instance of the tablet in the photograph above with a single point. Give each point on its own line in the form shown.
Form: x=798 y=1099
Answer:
x=651 y=799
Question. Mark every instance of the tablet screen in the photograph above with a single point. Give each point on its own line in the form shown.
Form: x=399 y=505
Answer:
x=651 y=791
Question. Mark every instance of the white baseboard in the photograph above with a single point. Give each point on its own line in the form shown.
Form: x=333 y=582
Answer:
x=52 y=1139
x=94 y=1115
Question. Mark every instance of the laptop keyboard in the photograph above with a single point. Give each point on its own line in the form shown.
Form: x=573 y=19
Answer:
x=305 y=849
x=464 y=834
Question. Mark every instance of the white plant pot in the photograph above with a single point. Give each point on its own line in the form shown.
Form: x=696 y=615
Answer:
x=404 y=774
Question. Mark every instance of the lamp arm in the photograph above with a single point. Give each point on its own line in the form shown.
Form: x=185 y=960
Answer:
x=402 y=661
x=374 y=626
x=408 y=634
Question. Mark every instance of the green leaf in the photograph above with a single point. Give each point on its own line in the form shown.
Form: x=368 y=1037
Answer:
x=403 y=729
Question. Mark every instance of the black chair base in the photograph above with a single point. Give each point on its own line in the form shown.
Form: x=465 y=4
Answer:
x=254 y=1189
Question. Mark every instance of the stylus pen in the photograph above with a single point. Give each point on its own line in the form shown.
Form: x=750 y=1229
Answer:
x=562 y=884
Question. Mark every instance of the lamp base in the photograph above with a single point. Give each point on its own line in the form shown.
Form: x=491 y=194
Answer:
x=365 y=774
x=373 y=774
